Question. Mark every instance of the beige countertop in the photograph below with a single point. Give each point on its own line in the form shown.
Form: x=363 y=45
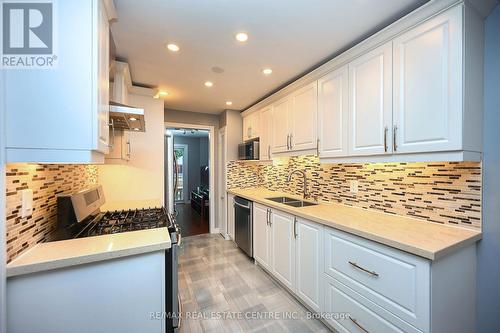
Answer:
x=71 y=252
x=425 y=239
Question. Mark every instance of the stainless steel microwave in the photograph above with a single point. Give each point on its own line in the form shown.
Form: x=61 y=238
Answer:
x=248 y=150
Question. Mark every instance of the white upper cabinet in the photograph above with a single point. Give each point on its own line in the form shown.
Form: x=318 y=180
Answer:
x=303 y=122
x=333 y=116
x=295 y=121
x=60 y=114
x=418 y=96
x=251 y=126
x=428 y=85
x=370 y=102
x=281 y=125
x=265 y=134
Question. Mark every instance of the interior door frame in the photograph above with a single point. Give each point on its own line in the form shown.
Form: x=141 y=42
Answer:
x=211 y=161
x=185 y=172
x=3 y=228
x=222 y=181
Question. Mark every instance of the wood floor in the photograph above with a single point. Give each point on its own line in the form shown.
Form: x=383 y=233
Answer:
x=190 y=221
x=216 y=279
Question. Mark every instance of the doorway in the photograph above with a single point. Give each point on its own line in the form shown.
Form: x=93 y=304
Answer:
x=191 y=162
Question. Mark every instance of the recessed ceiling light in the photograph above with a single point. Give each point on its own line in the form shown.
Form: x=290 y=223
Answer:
x=209 y=84
x=163 y=93
x=132 y=119
x=229 y=103
x=267 y=71
x=137 y=129
x=241 y=37
x=173 y=47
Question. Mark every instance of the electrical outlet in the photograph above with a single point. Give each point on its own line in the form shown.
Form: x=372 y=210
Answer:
x=354 y=186
x=26 y=202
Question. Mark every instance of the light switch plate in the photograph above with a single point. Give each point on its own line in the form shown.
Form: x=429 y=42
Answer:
x=26 y=202
x=354 y=186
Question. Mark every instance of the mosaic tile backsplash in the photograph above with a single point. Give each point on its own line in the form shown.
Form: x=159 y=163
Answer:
x=441 y=192
x=46 y=181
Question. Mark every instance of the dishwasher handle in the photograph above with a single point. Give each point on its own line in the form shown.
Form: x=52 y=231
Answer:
x=241 y=206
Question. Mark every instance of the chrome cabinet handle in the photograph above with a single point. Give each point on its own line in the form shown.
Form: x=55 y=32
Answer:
x=385 y=139
x=358 y=325
x=394 y=138
x=317 y=146
x=288 y=142
x=372 y=273
x=269 y=152
x=267 y=216
x=112 y=124
x=270 y=218
x=294 y=227
x=291 y=144
x=129 y=148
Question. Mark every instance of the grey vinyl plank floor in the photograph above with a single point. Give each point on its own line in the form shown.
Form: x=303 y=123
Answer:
x=222 y=290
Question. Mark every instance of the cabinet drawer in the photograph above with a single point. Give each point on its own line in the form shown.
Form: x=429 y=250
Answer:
x=353 y=313
x=395 y=280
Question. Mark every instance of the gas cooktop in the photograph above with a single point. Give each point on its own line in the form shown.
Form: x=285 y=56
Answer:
x=113 y=222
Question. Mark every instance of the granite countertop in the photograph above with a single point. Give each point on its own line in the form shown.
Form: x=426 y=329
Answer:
x=71 y=252
x=425 y=239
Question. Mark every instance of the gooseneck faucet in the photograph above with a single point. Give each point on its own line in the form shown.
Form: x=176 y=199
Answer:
x=304 y=181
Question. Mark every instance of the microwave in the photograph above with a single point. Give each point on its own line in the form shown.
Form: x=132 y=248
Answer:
x=248 y=150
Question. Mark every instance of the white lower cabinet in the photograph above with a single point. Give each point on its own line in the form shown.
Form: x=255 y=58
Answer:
x=362 y=286
x=283 y=248
x=309 y=262
x=262 y=235
x=351 y=315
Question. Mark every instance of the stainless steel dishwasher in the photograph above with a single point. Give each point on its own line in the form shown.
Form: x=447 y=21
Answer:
x=243 y=225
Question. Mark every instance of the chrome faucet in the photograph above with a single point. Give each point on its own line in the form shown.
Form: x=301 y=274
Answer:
x=304 y=180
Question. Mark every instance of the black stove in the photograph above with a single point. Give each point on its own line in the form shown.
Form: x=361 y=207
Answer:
x=112 y=222
x=129 y=220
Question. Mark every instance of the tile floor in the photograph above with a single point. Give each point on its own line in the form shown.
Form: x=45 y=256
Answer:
x=216 y=279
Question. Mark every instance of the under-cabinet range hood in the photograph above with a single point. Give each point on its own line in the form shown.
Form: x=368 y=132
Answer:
x=121 y=115
x=126 y=117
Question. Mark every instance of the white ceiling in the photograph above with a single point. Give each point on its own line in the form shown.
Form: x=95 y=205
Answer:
x=290 y=36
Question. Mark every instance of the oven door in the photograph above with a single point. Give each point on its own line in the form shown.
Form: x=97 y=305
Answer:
x=172 y=300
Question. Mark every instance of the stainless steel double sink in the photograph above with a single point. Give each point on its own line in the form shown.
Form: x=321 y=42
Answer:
x=291 y=201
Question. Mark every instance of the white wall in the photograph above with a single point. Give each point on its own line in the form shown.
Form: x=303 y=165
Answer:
x=141 y=178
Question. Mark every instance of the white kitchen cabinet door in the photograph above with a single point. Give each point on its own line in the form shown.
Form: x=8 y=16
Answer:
x=65 y=117
x=251 y=126
x=230 y=215
x=281 y=126
x=333 y=113
x=265 y=134
x=309 y=263
x=103 y=79
x=370 y=102
x=304 y=118
x=283 y=248
x=261 y=235
x=428 y=85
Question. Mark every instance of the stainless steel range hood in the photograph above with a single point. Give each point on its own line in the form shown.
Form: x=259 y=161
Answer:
x=126 y=117
x=121 y=115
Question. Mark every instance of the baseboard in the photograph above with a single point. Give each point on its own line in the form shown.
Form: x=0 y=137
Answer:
x=215 y=231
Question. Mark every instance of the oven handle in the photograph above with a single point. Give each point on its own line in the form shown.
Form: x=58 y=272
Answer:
x=180 y=310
